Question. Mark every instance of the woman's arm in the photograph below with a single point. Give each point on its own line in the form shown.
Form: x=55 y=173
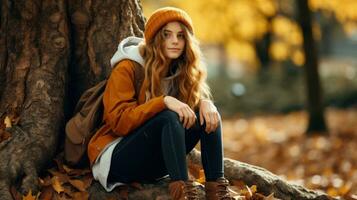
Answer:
x=121 y=109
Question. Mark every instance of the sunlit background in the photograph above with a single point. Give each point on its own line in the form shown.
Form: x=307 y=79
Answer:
x=255 y=59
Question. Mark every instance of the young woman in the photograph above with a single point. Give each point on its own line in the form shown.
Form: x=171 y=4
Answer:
x=151 y=125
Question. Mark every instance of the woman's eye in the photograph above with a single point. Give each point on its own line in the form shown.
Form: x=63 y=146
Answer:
x=166 y=35
x=180 y=36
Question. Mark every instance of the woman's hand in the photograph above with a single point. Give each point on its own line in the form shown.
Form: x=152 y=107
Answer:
x=209 y=113
x=186 y=114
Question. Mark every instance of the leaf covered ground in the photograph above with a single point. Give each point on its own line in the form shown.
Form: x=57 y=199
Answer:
x=279 y=144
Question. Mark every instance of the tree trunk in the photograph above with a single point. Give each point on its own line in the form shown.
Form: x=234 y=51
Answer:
x=314 y=90
x=50 y=52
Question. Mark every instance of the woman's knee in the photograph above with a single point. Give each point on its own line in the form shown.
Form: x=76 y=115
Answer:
x=168 y=116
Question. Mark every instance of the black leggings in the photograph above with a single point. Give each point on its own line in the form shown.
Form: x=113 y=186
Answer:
x=159 y=147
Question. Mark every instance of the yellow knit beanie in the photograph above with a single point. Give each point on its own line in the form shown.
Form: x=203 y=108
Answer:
x=162 y=16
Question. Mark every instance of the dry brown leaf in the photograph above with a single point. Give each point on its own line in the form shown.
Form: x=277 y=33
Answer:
x=46 y=181
x=57 y=185
x=69 y=190
x=4 y=135
x=88 y=180
x=61 y=196
x=239 y=184
x=63 y=178
x=81 y=196
x=46 y=193
x=197 y=172
x=76 y=172
x=78 y=184
x=66 y=168
x=29 y=196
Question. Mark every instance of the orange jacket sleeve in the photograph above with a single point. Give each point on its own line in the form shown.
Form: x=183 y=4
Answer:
x=121 y=109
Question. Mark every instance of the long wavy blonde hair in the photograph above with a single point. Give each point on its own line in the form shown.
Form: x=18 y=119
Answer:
x=191 y=78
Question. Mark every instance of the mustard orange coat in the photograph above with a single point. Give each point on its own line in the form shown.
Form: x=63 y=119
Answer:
x=123 y=112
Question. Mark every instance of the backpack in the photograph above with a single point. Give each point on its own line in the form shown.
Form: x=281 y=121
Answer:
x=82 y=126
x=87 y=119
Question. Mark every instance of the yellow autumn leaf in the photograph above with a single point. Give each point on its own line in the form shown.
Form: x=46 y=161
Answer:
x=279 y=50
x=295 y=36
x=253 y=188
x=242 y=50
x=268 y=7
x=345 y=188
x=7 y=122
x=332 y=192
x=281 y=26
x=298 y=58
x=29 y=196
x=201 y=179
x=57 y=185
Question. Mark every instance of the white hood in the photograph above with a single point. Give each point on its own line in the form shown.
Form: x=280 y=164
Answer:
x=128 y=49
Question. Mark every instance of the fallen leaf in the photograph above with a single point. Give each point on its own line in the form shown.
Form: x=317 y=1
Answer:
x=46 y=193
x=57 y=185
x=29 y=196
x=61 y=196
x=88 y=180
x=63 y=178
x=69 y=190
x=239 y=184
x=80 y=196
x=76 y=172
x=46 y=181
x=247 y=192
x=253 y=188
x=7 y=122
x=4 y=135
x=78 y=184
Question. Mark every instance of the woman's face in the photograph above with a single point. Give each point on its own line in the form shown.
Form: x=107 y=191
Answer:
x=174 y=40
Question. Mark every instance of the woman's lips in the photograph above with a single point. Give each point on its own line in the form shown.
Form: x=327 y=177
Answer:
x=173 y=49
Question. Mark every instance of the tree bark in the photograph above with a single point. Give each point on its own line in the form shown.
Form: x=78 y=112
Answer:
x=34 y=73
x=50 y=52
x=316 y=122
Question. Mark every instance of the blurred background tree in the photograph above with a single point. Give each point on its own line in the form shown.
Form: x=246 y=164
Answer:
x=313 y=88
x=254 y=48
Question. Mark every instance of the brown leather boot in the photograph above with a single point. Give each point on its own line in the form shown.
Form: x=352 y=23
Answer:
x=218 y=190
x=183 y=190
